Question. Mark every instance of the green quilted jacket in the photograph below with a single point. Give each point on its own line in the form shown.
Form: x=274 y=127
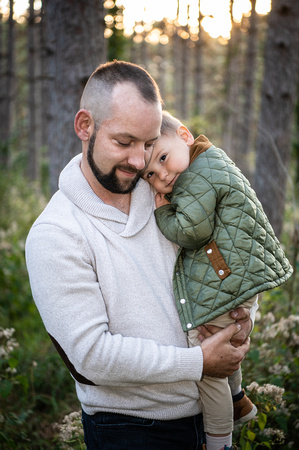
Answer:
x=229 y=251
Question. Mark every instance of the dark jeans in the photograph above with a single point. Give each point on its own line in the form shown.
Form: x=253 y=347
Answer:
x=109 y=431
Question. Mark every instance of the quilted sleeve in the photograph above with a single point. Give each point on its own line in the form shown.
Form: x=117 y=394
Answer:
x=189 y=220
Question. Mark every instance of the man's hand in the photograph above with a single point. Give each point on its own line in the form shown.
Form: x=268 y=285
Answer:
x=161 y=200
x=220 y=358
x=241 y=316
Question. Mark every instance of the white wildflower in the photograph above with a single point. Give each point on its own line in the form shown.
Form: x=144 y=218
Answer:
x=274 y=392
x=294 y=319
x=269 y=317
x=294 y=339
x=7 y=343
x=258 y=316
x=71 y=427
x=6 y=332
x=274 y=433
x=253 y=386
x=10 y=370
x=271 y=332
x=279 y=369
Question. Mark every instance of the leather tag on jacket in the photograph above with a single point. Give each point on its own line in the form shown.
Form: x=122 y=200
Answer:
x=217 y=261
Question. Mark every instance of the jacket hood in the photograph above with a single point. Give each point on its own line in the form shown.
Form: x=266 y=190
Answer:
x=76 y=188
x=201 y=144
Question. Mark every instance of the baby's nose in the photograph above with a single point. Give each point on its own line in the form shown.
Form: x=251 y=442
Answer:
x=163 y=174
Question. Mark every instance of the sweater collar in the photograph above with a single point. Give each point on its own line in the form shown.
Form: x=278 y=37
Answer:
x=76 y=188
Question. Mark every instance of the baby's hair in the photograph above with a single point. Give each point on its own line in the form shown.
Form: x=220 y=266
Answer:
x=169 y=124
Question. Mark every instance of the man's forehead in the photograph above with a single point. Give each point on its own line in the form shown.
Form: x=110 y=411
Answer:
x=125 y=88
x=127 y=92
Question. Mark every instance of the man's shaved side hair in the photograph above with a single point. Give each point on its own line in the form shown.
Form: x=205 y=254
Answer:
x=96 y=97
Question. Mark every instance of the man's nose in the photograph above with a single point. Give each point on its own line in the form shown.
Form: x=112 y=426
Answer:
x=137 y=156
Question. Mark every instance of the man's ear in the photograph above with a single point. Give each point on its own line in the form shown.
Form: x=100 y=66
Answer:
x=83 y=124
x=185 y=134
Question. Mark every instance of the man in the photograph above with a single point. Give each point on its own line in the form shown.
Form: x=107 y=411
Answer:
x=101 y=277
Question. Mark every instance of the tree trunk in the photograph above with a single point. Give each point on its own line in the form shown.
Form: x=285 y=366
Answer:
x=44 y=80
x=75 y=43
x=177 y=75
x=296 y=140
x=1 y=58
x=245 y=128
x=180 y=56
x=162 y=70
x=144 y=54
x=185 y=77
x=198 y=70
x=198 y=77
x=39 y=91
x=7 y=91
x=32 y=155
x=277 y=109
x=232 y=84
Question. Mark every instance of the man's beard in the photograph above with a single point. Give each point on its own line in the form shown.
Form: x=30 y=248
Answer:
x=110 y=181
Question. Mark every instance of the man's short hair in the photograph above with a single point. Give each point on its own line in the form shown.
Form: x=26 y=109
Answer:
x=99 y=87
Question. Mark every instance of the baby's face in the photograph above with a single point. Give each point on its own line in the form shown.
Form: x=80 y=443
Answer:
x=170 y=157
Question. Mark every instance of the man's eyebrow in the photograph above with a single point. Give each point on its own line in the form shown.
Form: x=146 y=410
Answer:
x=130 y=136
x=155 y=138
x=125 y=135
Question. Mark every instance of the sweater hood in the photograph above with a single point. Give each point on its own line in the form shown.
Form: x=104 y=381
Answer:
x=76 y=188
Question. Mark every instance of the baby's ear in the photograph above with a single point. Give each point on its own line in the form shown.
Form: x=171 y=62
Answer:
x=185 y=134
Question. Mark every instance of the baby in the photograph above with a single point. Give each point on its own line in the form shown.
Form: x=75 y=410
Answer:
x=228 y=253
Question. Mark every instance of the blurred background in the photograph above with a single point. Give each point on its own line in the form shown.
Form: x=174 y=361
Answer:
x=227 y=69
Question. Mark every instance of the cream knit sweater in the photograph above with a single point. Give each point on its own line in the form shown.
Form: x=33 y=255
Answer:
x=102 y=282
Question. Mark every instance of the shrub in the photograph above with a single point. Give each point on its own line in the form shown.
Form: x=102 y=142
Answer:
x=272 y=367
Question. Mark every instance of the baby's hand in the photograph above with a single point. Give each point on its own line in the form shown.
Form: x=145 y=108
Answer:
x=161 y=200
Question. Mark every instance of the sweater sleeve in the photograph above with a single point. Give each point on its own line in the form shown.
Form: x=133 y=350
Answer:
x=189 y=220
x=67 y=293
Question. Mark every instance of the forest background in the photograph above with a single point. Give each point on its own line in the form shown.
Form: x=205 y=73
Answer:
x=231 y=73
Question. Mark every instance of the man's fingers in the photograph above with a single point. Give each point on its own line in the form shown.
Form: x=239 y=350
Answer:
x=220 y=358
x=229 y=331
x=204 y=333
x=240 y=314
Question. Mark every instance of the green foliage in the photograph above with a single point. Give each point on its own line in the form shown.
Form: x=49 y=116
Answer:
x=118 y=47
x=198 y=125
x=19 y=207
x=258 y=433
x=29 y=404
x=272 y=369
x=117 y=44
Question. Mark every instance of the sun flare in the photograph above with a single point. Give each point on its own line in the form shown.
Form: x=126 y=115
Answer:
x=139 y=16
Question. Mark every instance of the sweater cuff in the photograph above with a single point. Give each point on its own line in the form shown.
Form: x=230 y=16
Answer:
x=192 y=361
